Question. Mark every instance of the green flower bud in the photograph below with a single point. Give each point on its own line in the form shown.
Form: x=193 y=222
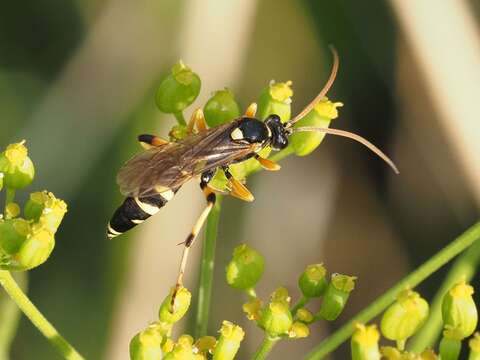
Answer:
x=53 y=211
x=253 y=309
x=404 y=317
x=281 y=295
x=35 y=205
x=231 y=336
x=450 y=345
x=183 y=349
x=474 y=345
x=312 y=282
x=245 y=269
x=178 y=90
x=304 y=315
x=276 y=98
x=459 y=310
x=298 y=330
x=146 y=345
x=321 y=116
x=17 y=168
x=221 y=108
x=180 y=306
x=336 y=296
x=206 y=344
x=13 y=233
x=12 y=210
x=276 y=318
x=35 y=250
x=364 y=343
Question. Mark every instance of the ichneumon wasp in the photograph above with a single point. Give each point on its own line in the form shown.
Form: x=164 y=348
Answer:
x=150 y=179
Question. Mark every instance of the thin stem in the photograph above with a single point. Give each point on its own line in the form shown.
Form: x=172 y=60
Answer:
x=180 y=118
x=9 y=197
x=464 y=267
x=411 y=280
x=36 y=317
x=265 y=347
x=301 y=303
x=206 y=271
x=10 y=315
x=252 y=294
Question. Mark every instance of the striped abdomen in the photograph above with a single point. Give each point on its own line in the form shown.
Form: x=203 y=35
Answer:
x=135 y=210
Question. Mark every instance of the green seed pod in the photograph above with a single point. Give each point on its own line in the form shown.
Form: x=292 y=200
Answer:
x=321 y=116
x=35 y=250
x=146 y=345
x=364 y=343
x=13 y=233
x=459 y=310
x=221 y=108
x=180 y=306
x=312 y=282
x=17 y=168
x=35 y=205
x=276 y=318
x=336 y=296
x=253 y=309
x=474 y=345
x=404 y=317
x=178 y=90
x=276 y=98
x=231 y=336
x=450 y=345
x=53 y=211
x=298 y=330
x=245 y=268
x=304 y=315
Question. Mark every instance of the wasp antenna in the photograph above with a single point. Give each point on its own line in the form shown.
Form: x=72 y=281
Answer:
x=352 y=136
x=323 y=92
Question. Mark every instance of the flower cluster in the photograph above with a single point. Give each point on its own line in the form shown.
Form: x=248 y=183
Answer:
x=406 y=316
x=25 y=242
x=155 y=341
x=278 y=317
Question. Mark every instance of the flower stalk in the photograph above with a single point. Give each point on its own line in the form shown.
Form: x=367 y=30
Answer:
x=265 y=347
x=36 y=317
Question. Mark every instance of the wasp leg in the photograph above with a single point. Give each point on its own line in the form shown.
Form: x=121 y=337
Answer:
x=251 y=110
x=197 y=121
x=267 y=164
x=211 y=198
x=237 y=189
x=148 y=141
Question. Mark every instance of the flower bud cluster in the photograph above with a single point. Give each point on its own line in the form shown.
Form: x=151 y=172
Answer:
x=26 y=242
x=155 y=342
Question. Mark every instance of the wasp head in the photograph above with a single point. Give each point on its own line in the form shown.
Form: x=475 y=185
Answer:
x=278 y=132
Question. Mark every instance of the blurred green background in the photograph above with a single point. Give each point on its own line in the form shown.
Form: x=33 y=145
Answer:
x=77 y=81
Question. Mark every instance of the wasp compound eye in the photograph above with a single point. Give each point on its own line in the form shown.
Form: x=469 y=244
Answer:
x=279 y=138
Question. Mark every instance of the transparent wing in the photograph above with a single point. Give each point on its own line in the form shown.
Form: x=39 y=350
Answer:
x=170 y=166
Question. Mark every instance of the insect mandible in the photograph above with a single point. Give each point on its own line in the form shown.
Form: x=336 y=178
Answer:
x=150 y=179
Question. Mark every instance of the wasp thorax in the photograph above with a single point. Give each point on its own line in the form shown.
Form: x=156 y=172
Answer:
x=279 y=138
x=251 y=131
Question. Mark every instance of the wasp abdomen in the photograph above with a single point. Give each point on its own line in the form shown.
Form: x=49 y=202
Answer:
x=134 y=211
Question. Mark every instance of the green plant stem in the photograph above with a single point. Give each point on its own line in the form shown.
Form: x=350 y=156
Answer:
x=180 y=118
x=463 y=268
x=381 y=303
x=36 y=317
x=10 y=316
x=252 y=294
x=301 y=303
x=206 y=271
x=265 y=347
